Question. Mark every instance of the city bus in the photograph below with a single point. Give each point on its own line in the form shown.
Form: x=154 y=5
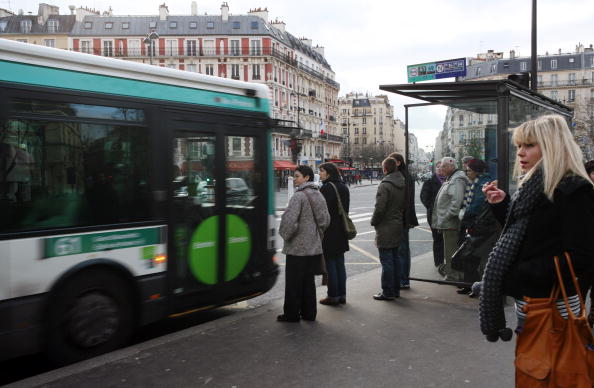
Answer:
x=129 y=193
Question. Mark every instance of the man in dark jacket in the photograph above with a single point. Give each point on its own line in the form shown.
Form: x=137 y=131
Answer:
x=428 y=193
x=388 y=222
x=335 y=242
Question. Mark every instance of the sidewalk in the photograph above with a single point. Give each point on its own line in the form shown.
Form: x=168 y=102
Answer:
x=428 y=338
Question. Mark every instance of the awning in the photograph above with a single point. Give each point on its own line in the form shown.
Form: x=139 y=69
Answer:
x=283 y=165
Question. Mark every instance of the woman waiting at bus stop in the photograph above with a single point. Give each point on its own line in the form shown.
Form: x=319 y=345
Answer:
x=335 y=242
x=552 y=212
x=302 y=226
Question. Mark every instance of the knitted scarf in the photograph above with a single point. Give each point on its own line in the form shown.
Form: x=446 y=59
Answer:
x=469 y=193
x=504 y=253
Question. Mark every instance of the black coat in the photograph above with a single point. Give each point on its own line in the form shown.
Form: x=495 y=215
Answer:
x=335 y=241
x=429 y=193
x=410 y=214
x=566 y=224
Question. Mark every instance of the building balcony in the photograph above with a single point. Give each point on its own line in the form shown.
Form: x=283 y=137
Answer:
x=566 y=83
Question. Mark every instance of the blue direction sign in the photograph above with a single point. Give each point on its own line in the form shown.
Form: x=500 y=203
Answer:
x=437 y=70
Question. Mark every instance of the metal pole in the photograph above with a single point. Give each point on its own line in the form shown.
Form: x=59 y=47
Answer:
x=534 y=67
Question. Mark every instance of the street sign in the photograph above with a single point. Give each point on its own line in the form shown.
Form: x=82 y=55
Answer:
x=437 y=70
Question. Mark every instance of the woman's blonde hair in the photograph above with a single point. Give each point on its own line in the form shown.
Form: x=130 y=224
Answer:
x=561 y=156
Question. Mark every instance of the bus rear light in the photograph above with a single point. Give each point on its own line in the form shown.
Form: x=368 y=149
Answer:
x=154 y=296
x=159 y=259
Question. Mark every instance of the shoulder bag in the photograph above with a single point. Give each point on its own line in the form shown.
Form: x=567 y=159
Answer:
x=552 y=351
x=349 y=226
x=320 y=268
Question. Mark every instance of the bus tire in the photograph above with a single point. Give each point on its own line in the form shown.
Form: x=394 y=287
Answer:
x=91 y=314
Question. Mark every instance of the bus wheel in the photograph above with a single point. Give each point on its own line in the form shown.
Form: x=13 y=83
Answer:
x=92 y=314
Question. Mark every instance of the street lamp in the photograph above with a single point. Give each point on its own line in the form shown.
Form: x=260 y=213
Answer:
x=149 y=41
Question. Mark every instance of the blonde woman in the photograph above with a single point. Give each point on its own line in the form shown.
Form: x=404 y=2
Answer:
x=552 y=212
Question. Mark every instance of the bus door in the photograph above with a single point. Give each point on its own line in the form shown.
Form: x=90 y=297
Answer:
x=218 y=195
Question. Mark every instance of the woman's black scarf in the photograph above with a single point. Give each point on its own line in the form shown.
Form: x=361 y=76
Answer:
x=492 y=316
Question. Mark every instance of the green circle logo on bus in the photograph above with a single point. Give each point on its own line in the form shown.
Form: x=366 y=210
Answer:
x=204 y=249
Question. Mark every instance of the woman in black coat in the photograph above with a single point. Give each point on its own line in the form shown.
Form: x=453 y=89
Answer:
x=428 y=193
x=335 y=242
x=552 y=212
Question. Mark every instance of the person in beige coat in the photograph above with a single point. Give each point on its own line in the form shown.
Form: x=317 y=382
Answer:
x=446 y=212
x=302 y=226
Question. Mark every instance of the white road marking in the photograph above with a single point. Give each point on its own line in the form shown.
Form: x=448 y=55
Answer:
x=361 y=234
x=364 y=252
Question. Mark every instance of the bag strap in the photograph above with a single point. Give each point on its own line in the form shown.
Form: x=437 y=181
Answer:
x=575 y=283
x=340 y=208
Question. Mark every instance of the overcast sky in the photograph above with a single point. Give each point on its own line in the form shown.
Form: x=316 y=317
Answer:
x=369 y=43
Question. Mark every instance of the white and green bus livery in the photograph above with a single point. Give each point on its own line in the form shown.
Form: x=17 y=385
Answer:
x=129 y=193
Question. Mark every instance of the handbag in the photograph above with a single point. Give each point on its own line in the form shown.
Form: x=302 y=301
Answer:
x=320 y=267
x=462 y=254
x=552 y=351
x=349 y=226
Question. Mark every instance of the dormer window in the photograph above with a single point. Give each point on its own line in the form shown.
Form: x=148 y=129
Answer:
x=210 y=25
x=236 y=25
x=153 y=25
x=88 y=25
x=25 y=26
x=52 y=26
x=254 y=25
x=108 y=25
x=172 y=24
x=125 y=26
x=3 y=25
x=193 y=25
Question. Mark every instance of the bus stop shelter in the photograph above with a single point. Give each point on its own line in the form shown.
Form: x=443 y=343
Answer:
x=477 y=119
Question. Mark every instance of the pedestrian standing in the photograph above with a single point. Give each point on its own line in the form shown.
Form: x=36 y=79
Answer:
x=552 y=212
x=428 y=194
x=302 y=222
x=446 y=212
x=409 y=220
x=387 y=220
x=335 y=242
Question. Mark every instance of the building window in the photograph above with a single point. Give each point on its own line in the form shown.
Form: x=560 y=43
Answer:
x=85 y=46
x=191 y=48
x=571 y=95
x=539 y=79
x=461 y=119
x=210 y=25
x=133 y=47
x=256 y=72
x=191 y=67
x=236 y=146
x=108 y=48
x=554 y=79
x=26 y=26
x=255 y=48
x=493 y=67
x=477 y=71
x=108 y=25
x=209 y=69
x=171 y=66
x=364 y=131
x=235 y=47
x=571 y=60
x=172 y=24
x=49 y=42
x=88 y=25
x=523 y=66
x=572 y=78
x=346 y=131
x=364 y=140
x=235 y=71
x=3 y=25
x=193 y=25
x=152 y=25
x=554 y=94
x=125 y=26
x=356 y=131
x=171 y=47
x=356 y=140
x=553 y=63
x=52 y=26
x=236 y=25
x=254 y=25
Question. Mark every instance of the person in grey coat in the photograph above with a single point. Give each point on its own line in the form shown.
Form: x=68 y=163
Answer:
x=388 y=222
x=302 y=226
x=446 y=211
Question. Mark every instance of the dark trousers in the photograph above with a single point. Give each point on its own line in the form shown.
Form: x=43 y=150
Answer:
x=336 y=275
x=300 y=287
x=390 y=271
x=437 y=247
x=404 y=257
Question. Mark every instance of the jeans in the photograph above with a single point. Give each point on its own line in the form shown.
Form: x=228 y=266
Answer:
x=336 y=276
x=390 y=271
x=404 y=257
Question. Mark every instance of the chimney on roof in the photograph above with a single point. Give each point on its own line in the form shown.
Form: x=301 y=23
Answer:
x=225 y=11
x=261 y=13
x=306 y=41
x=579 y=48
x=82 y=12
x=512 y=54
x=163 y=12
x=559 y=51
x=45 y=11
x=279 y=24
x=319 y=50
x=194 y=9
x=71 y=8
